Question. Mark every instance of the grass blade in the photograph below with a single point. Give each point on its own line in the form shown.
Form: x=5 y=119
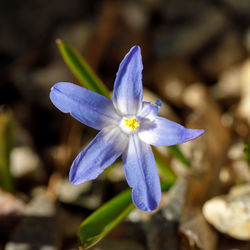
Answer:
x=247 y=152
x=104 y=219
x=6 y=144
x=176 y=152
x=81 y=69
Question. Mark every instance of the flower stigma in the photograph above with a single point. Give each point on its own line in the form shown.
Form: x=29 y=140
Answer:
x=132 y=123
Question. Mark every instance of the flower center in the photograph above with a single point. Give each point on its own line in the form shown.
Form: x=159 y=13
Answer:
x=132 y=123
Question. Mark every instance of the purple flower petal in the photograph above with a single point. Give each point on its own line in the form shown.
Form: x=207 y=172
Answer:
x=104 y=149
x=127 y=94
x=86 y=106
x=162 y=132
x=141 y=174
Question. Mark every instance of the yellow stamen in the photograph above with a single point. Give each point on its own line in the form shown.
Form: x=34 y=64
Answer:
x=132 y=123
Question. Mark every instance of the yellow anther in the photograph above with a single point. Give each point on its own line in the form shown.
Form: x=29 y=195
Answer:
x=132 y=123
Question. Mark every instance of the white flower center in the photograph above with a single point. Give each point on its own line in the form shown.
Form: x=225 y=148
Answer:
x=129 y=124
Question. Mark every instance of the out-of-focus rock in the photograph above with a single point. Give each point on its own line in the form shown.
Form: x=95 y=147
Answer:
x=87 y=195
x=163 y=226
x=228 y=85
x=135 y=14
x=247 y=39
x=241 y=170
x=104 y=30
x=40 y=206
x=195 y=231
x=203 y=183
x=118 y=244
x=235 y=152
x=194 y=96
x=115 y=172
x=138 y=216
x=69 y=193
x=9 y=204
x=236 y=169
x=26 y=164
x=178 y=10
x=186 y=38
x=241 y=7
x=62 y=154
x=93 y=200
x=76 y=34
x=72 y=220
x=194 y=151
x=172 y=77
x=37 y=228
x=207 y=115
x=36 y=20
x=226 y=177
x=230 y=213
x=22 y=136
x=229 y=243
x=239 y=166
x=227 y=52
x=244 y=105
x=241 y=125
x=126 y=236
x=11 y=207
x=46 y=77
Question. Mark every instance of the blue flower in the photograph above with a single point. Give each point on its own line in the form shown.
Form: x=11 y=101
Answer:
x=127 y=125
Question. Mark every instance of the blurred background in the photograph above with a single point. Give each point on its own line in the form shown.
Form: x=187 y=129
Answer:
x=196 y=61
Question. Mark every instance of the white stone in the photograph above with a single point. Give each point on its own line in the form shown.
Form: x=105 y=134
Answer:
x=230 y=214
x=23 y=161
x=244 y=105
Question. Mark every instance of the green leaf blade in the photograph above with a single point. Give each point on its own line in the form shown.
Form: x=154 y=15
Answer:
x=247 y=152
x=177 y=153
x=81 y=69
x=169 y=176
x=6 y=144
x=104 y=219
